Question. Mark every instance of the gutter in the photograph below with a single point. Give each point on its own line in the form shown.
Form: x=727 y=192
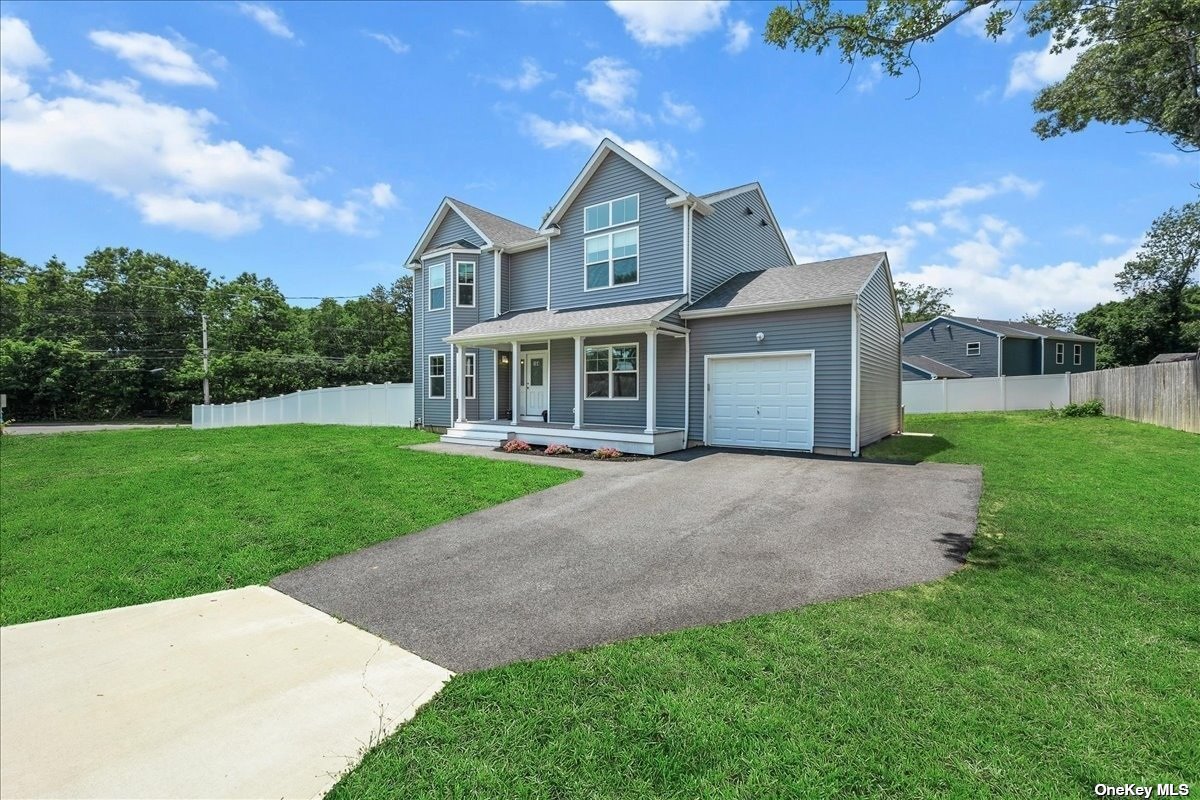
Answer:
x=762 y=308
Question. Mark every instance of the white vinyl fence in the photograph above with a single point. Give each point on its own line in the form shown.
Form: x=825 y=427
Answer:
x=370 y=404
x=986 y=394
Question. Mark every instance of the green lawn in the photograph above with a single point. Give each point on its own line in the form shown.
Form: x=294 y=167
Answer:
x=96 y=520
x=1066 y=654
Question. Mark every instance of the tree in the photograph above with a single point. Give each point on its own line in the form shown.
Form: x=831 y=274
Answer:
x=1137 y=58
x=1051 y=318
x=919 y=301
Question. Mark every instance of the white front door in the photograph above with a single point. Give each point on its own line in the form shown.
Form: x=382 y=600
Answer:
x=761 y=401
x=534 y=380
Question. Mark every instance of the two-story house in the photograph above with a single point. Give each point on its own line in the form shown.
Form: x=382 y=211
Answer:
x=645 y=317
x=967 y=347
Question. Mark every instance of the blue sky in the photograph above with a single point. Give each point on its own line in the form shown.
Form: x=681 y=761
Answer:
x=311 y=142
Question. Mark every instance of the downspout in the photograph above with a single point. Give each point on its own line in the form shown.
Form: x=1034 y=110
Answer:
x=548 y=274
x=687 y=384
x=687 y=250
x=497 y=282
x=853 y=379
x=423 y=309
x=1042 y=358
x=1000 y=356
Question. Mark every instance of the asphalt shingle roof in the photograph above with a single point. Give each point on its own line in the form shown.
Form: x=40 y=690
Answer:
x=934 y=367
x=1015 y=330
x=525 y=323
x=500 y=230
x=820 y=280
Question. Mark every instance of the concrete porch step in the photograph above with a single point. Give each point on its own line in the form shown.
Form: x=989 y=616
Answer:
x=470 y=440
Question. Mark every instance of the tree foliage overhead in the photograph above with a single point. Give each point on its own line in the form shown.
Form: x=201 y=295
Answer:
x=1139 y=60
x=1051 y=318
x=919 y=301
x=120 y=336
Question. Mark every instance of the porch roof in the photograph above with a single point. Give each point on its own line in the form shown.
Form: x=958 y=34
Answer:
x=566 y=322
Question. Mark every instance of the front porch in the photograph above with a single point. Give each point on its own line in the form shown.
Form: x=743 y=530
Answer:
x=626 y=438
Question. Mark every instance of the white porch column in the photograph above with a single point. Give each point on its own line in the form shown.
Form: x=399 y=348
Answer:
x=515 y=374
x=578 y=383
x=651 y=378
x=460 y=383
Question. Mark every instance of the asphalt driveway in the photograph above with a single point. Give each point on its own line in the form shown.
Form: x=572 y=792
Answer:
x=699 y=538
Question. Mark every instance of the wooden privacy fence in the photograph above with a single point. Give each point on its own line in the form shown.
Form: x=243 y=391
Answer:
x=1161 y=394
x=370 y=404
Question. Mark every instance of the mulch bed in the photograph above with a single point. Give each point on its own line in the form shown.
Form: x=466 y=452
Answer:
x=578 y=455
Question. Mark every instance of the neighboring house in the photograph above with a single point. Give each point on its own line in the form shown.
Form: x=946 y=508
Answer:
x=989 y=348
x=923 y=368
x=1167 y=358
x=648 y=318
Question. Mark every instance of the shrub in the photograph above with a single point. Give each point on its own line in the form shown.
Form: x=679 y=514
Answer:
x=607 y=452
x=1090 y=408
x=558 y=450
x=515 y=446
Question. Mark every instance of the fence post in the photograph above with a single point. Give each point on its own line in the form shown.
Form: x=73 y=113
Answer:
x=1070 y=388
x=320 y=405
x=1003 y=395
x=945 y=400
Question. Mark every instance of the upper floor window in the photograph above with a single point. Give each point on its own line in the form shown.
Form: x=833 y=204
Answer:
x=610 y=259
x=607 y=215
x=1060 y=350
x=466 y=283
x=1078 y=355
x=972 y=348
x=437 y=287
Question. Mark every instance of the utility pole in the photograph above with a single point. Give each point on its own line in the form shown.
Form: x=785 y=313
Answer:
x=204 y=347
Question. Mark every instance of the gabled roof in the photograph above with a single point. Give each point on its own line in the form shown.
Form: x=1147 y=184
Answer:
x=998 y=327
x=517 y=324
x=494 y=230
x=819 y=283
x=931 y=366
x=725 y=194
x=606 y=147
x=1168 y=358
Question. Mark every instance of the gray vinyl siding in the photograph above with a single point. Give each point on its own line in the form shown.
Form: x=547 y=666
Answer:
x=660 y=240
x=525 y=280
x=480 y=408
x=878 y=361
x=466 y=316
x=436 y=327
x=672 y=354
x=1068 y=365
x=1021 y=357
x=452 y=229
x=946 y=341
x=823 y=330
x=562 y=380
x=912 y=374
x=729 y=241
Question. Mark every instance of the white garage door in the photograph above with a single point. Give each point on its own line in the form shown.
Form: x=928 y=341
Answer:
x=761 y=401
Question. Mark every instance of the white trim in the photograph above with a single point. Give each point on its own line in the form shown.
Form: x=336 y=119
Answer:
x=600 y=329
x=812 y=356
x=589 y=169
x=702 y=208
x=763 y=308
x=497 y=282
x=446 y=205
x=526 y=244
x=637 y=371
x=1060 y=353
x=855 y=380
x=637 y=217
x=1000 y=356
x=687 y=385
x=949 y=321
x=611 y=261
x=447 y=251
x=459 y=284
x=495 y=384
x=687 y=252
x=651 y=381
x=978 y=349
x=549 y=284
x=514 y=375
x=472 y=373
x=460 y=407
x=429 y=377
x=578 y=362
x=429 y=287
x=1077 y=355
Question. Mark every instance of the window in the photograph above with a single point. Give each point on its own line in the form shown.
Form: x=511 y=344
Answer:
x=437 y=377
x=437 y=287
x=610 y=259
x=469 y=376
x=1059 y=351
x=972 y=348
x=1078 y=354
x=466 y=283
x=611 y=372
x=610 y=214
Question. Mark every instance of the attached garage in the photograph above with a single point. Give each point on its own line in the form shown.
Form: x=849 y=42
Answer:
x=761 y=401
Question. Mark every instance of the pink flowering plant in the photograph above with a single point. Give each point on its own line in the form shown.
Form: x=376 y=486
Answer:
x=516 y=446
x=558 y=450
x=607 y=452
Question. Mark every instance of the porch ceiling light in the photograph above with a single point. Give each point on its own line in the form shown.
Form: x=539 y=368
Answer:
x=504 y=358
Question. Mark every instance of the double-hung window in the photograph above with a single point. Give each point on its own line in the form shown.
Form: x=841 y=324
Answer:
x=469 y=376
x=972 y=348
x=1060 y=351
x=437 y=287
x=608 y=215
x=1078 y=355
x=611 y=259
x=437 y=377
x=612 y=372
x=466 y=283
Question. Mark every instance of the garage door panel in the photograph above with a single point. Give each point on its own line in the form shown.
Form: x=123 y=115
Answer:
x=761 y=401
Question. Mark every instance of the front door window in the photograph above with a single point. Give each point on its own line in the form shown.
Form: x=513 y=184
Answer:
x=533 y=374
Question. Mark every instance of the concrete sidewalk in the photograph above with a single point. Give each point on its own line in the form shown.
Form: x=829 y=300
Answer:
x=246 y=693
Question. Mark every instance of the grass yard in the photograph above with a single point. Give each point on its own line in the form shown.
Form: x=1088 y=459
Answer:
x=95 y=520
x=1067 y=653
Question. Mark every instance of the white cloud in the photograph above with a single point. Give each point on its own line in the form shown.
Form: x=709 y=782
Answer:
x=680 y=113
x=163 y=159
x=975 y=24
x=669 y=23
x=549 y=134
x=19 y=53
x=270 y=19
x=992 y=242
x=390 y=42
x=738 y=36
x=382 y=195
x=963 y=194
x=814 y=245
x=868 y=81
x=154 y=57
x=611 y=84
x=1033 y=69
x=530 y=77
